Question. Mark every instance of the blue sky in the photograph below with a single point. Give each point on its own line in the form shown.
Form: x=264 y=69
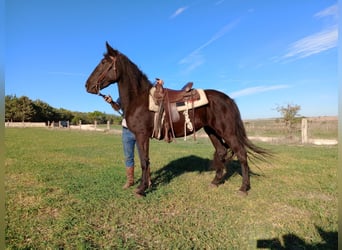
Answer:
x=262 y=53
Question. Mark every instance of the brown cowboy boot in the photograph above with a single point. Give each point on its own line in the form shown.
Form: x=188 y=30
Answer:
x=130 y=177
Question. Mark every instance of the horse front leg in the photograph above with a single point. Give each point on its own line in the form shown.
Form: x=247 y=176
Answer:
x=219 y=157
x=218 y=165
x=143 y=148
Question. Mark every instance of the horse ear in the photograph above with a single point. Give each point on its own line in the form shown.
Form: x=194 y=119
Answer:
x=110 y=50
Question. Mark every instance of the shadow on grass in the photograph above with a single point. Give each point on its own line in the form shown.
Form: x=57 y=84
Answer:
x=292 y=241
x=192 y=163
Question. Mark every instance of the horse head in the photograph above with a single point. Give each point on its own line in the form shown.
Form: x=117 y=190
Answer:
x=105 y=72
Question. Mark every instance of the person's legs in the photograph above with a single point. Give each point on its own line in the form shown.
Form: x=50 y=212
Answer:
x=128 y=142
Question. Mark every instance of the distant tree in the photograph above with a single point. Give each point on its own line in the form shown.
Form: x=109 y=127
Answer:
x=10 y=107
x=289 y=114
x=64 y=115
x=98 y=116
x=77 y=118
x=18 y=109
x=44 y=112
x=24 y=109
x=13 y=106
x=114 y=119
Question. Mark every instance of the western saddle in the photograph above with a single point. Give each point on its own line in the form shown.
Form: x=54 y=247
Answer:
x=168 y=100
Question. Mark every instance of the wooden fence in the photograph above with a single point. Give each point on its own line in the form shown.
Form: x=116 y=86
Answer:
x=317 y=130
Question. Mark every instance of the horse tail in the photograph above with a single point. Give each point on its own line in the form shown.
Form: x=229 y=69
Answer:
x=253 y=151
x=256 y=152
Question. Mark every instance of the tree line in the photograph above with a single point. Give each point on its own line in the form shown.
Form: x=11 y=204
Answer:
x=23 y=109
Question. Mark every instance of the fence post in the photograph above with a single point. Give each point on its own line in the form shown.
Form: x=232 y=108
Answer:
x=108 y=125
x=80 y=123
x=304 y=131
x=95 y=124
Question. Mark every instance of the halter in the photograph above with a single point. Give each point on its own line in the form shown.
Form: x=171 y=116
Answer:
x=104 y=73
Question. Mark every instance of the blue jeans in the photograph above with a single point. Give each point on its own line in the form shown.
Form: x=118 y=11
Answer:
x=128 y=142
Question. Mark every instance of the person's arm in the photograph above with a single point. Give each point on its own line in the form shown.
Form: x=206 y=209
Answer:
x=114 y=105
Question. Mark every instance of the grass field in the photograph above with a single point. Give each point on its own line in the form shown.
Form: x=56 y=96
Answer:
x=63 y=190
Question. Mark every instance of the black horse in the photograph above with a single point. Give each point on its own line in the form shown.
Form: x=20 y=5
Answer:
x=220 y=118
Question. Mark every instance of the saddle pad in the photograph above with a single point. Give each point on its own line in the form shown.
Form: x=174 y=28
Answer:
x=181 y=106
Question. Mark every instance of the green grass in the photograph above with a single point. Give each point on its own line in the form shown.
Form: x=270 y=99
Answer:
x=63 y=190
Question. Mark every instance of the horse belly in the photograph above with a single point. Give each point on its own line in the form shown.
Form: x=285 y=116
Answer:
x=188 y=126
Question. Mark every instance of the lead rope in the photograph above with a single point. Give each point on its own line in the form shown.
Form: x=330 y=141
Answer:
x=187 y=123
x=193 y=112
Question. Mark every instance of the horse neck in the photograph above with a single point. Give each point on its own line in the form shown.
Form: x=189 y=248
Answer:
x=131 y=91
x=133 y=84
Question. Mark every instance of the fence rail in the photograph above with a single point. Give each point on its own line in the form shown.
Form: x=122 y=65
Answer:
x=25 y=124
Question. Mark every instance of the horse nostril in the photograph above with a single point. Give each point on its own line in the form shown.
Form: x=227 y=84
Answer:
x=87 y=84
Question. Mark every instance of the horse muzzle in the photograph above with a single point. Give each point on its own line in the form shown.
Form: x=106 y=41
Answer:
x=92 y=88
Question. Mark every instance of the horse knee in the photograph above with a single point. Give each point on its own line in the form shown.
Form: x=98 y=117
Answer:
x=220 y=155
x=218 y=162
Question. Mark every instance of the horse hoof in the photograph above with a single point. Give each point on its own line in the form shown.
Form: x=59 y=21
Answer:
x=212 y=185
x=139 y=195
x=139 y=192
x=242 y=193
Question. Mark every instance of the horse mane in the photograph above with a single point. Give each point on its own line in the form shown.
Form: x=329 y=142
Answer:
x=131 y=75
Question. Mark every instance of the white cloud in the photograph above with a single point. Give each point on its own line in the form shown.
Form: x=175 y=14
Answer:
x=195 y=58
x=314 y=44
x=317 y=42
x=257 y=90
x=178 y=12
x=219 y=2
x=330 y=11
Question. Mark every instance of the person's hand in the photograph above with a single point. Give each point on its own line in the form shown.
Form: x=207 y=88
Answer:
x=114 y=105
x=159 y=81
x=108 y=99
